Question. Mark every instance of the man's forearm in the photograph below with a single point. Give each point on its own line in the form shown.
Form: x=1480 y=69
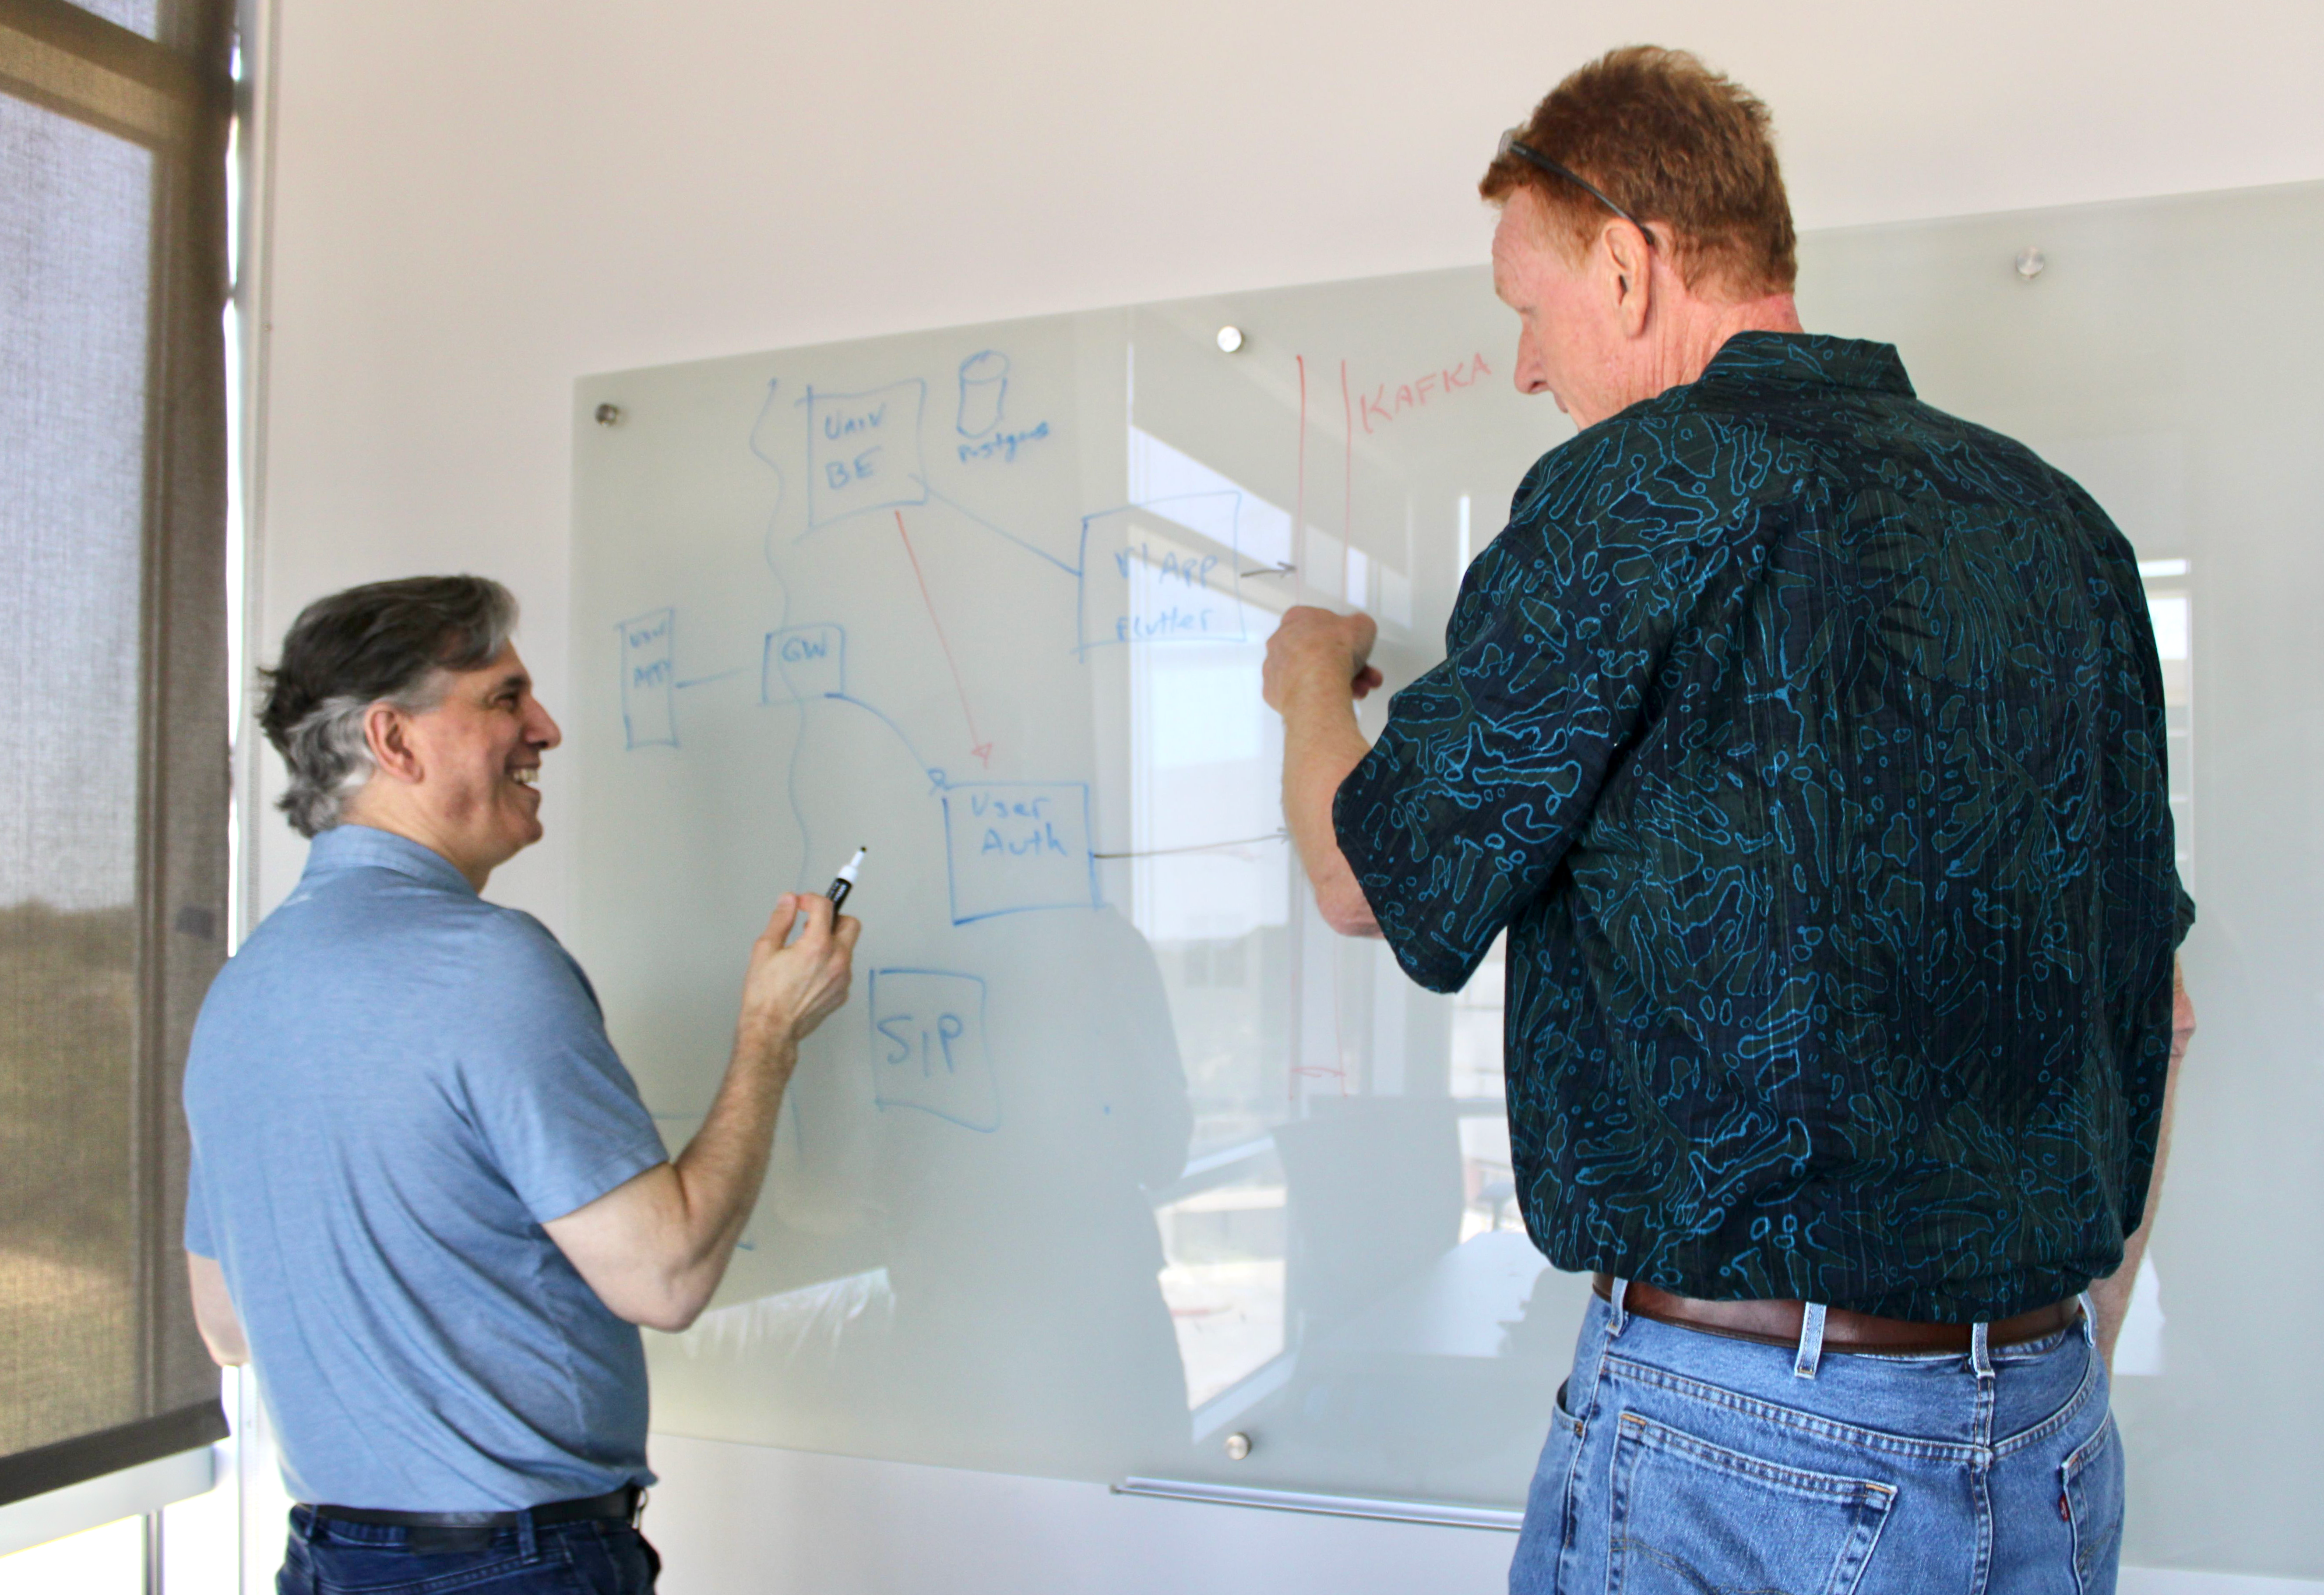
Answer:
x=723 y=1167
x=1321 y=744
x=655 y=1247
x=1318 y=663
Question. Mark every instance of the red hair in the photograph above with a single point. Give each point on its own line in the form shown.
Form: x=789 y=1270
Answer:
x=1672 y=142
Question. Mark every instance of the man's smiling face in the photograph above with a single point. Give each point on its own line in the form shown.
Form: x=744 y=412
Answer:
x=479 y=750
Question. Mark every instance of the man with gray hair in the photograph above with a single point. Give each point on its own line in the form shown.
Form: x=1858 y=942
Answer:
x=426 y=1200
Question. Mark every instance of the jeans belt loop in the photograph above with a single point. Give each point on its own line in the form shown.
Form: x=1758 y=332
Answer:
x=2090 y=1320
x=527 y=1537
x=1980 y=1352
x=1614 y=1299
x=1810 y=1353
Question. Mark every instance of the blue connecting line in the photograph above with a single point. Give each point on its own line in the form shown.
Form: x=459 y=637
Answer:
x=936 y=776
x=774 y=515
x=1071 y=570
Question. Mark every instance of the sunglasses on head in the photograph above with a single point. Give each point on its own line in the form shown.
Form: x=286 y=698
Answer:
x=1512 y=145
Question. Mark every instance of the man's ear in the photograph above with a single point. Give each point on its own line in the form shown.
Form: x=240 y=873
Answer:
x=387 y=733
x=1629 y=272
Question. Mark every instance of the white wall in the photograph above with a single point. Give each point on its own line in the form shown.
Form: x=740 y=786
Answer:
x=474 y=201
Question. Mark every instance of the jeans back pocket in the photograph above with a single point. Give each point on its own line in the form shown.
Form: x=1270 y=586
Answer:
x=1690 y=1517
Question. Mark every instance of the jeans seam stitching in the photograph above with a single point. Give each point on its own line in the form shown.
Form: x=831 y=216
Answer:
x=2080 y=1456
x=1805 y=1482
x=1808 y=1423
x=2058 y=1419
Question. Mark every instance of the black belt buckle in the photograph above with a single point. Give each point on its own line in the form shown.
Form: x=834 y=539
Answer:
x=434 y=1541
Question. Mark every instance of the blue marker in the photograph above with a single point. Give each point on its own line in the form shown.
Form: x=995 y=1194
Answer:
x=844 y=881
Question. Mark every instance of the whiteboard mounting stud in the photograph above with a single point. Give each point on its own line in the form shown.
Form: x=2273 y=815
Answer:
x=609 y=415
x=1230 y=339
x=1238 y=1443
x=2031 y=261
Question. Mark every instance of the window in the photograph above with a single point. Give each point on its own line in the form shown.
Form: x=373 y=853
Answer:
x=112 y=837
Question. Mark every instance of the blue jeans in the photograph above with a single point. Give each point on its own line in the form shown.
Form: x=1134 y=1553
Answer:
x=1686 y=1463
x=594 y=1558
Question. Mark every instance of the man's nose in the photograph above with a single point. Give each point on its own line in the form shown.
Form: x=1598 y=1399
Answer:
x=1531 y=374
x=542 y=731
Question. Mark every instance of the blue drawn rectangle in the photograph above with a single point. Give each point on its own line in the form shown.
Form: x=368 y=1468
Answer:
x=928 y=1049
x=649 y=676
x=803 y=662
x=863 y=451
x=1013 y=846
x=1144 y=580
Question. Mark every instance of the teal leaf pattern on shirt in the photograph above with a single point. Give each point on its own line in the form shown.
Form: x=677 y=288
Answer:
x=1808 y=743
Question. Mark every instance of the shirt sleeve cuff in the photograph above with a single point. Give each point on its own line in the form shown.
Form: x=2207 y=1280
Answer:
x=571 y=1195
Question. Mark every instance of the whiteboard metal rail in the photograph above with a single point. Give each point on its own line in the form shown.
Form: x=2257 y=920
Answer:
x=1288 y=1500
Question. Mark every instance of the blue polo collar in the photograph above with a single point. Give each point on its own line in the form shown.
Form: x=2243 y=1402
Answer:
x=366 y=847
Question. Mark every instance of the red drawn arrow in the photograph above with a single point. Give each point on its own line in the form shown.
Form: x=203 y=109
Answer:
x=982 y=750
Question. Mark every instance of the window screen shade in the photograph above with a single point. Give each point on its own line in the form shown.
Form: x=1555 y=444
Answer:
x=113 y=742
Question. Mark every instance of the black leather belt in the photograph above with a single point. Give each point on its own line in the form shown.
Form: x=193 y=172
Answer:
x=621 y=1505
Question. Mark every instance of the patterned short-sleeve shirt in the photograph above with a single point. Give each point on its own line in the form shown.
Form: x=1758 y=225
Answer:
x=1808 y=743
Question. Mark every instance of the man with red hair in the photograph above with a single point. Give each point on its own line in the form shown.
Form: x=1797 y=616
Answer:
x=1807 y=741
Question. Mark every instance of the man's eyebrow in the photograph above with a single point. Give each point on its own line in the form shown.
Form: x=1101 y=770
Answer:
x=516 y=679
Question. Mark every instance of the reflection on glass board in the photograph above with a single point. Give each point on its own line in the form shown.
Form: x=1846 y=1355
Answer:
x=1210 y=878
x=1224 y=1281
x=2195 y=433
x=1477 y=1016
x=2138 y=1352
x=2170 y=604
x=1120 y=1147
x=1211 y=1169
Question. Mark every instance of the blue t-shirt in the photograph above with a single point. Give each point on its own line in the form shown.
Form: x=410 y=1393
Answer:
x=391 y=1088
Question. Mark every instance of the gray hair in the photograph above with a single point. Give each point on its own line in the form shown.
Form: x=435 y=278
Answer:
x=390 y=641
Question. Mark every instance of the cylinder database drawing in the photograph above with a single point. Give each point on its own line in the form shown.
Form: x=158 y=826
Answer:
x=984 y=388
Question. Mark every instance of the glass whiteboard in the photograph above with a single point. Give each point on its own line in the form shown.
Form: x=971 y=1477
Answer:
x=1116 y=1150
x=2166 y=357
